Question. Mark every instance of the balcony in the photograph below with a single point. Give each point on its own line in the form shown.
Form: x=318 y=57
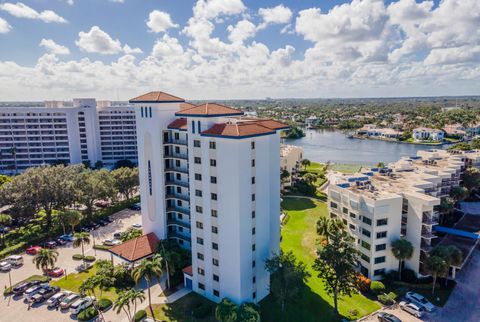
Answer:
x=428 y=234
x=425 y=247
x=173 y=155
x=178 y=235
x=181 y=210
x=176 y=169
x=177 y=196
x=175 y=142
x=175 y=222
x=184 y=184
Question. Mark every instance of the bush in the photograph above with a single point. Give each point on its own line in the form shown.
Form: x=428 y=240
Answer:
x=140 y=315
x=391 y=275
x=201 y=310
x=87 y=314
x=409 y=276
x=77 y=257
x=377 y=287
x=15 y=249
x=90 y=259
x=101 y=247
x=387 y=299
x=363 y=283
x=425 y=280
x=104 y=304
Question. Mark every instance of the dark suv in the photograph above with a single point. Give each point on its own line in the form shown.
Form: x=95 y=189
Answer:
x=18 y=290
x=45 y=294
x=387 y=317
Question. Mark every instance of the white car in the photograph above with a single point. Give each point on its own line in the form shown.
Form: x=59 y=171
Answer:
x=15 y=260
x=29 y=293
x=80 y=305
x=138 y=226
x=420 y=300
x=58 y=297
x=412 y=308
x=5 y=266
x=111 y=242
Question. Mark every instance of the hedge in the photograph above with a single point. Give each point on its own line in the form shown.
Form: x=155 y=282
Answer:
x=140 y=315
x=88 y=314
x=101 y=247
x=15 y=249
x=377 y=287
x=77 y=257
x=90 y=259
x=104 y=304
x=387 y=299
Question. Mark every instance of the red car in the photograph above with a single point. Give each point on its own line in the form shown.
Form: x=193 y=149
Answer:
x=33 y=250
x=56 y=272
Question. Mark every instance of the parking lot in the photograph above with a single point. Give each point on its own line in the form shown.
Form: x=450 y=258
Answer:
x=399 y=313
x=14 y=309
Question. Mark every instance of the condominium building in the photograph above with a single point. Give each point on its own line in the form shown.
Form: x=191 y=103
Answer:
x=290 y=158
x=209 y=179
x=427 y=134
x=56 y=133
x=379 y=206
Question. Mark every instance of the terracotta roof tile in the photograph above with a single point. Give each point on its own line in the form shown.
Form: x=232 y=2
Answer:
x=241 y=129
x=186 y=105
x=179 y=124
x=188 y=270
x=136 y=248
x=209 y=109
x=156 y=96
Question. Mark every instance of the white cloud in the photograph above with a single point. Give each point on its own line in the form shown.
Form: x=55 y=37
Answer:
x=4 y=26
x=98 y=41
x=276 y=15
x=167 y=47
x=159 y=21
x=208 y=9
x=21 y=10
x=243 y=30
x=54 y=48
x=131 y=51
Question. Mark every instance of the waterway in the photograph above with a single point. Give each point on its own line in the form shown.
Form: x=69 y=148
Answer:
x=332 y=145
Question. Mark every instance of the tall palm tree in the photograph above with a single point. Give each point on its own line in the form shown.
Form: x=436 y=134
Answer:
x=305 y=163
x=134 y=296
x=171 y=259
x=4 y=220
x=402 y=249
x=149 y=269
x=122 y=303
x=226 y=311
x=45 y=258
x=81 y=239
x=452 y=256
x=436 y=266
x=88 y=286
x=326 y=227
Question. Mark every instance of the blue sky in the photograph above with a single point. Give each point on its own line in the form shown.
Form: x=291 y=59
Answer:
x=238 y=49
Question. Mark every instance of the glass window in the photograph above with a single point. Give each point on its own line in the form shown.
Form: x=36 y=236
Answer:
x=213 y=180
x=253 y=197
x=199 y=241
x=215 y=246
x=333 y=205
x=216 y=293
x=380 y=259
x=199 y=209
x=213 y=162
x=253 y=214
x=365 y=245
x=253 y=180
x=365 y=257
x=378 y=272
x=380 y=247
x=215 y=262
x=198 y=193
x=367 y=220
x=253 y=162
x=214 y=213
x=200 y=256
x=196 y=143
x=214 y=196
x=201 y=271
x=199 y=225
x=382 y=222
x=201 y=286
x=212 y=145
x=197 y=160
x=253 y=145
x=198 y=176
x=216 y=278
x=214 y=230
x=366 y=232
x=382 y=234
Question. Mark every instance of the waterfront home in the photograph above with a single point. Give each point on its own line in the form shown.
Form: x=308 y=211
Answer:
x=455 y=130
x=371 y=131
x=311 y=122
x=427 y=134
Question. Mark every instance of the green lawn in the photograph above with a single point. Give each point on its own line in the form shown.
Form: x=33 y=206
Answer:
x=299 y=236
x=181 y=310
x=346 y=168
x=72 y=282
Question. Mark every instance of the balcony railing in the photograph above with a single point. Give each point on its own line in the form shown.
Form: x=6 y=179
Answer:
x=174 y=155
x=176 y=222
x=428 y=234
x=184 y=184
x=176 y=234
x=176 y=169
x=183 y=211
x=175 y=142
x=177 y=196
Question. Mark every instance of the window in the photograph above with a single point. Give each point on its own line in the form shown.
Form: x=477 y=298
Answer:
x=215 y=246
x=381 y=234
x=176 y=136
x=215 y=262
x=216 y=278
x=212 y=145
x=367 y=221
x=213 y=162
x=380 y=247
x=253 y=180
x=150 y=109
x=199 y=241
x=213 y=180
x=216 y=293
x=382 y=222
x=253 y=145
x=253 y=231
x=378 y=272
x=199 y=209
x=253 y=214
x=254 y=280
x=333 y=205
x=253 y=247
x=365 y=245
x=214 y=213
x=380 y=259
x=365 y=258
x=253 y=162
x=200 y=271
x=193 y=126
x=200 y=256
x=254 y=295
x=366 y=232
x=141 y=109
x=197 y=160
x=352 y=227
x=177 y=149
x=214 y=196
x=253 y=263
x=200 y=285
x=214 y=230
x=196 y=143
x=352 y=215
x=199 y=127
x=149 y=178
x=199 y=225
x=253 y=197
x=198 y=193
x=345 y=210
x=198 y=176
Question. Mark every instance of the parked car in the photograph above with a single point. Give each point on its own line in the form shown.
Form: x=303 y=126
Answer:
x=111 y=242
x=19 y=289
x=102 y=203
x=80 y=305
x=117 y=235
x=67 y=238
x=103 y=222
x=50 y=244
x=5 y=266
x=109 y=219
x=420 y=300
x=15 y=260
x=57 y=298
x=56 y=272
x=33 y=250
x=60 y=242
x=137 y=226
x=412 y=308
x=136 y=207
x=33 y=290
x=69 y=300
x=44 y=294
x=387 y=317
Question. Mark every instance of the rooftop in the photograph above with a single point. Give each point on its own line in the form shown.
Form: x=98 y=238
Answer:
x=178 y=124
x=137 y=248
x=156 y=97
x=238 y=130
x=209 y=110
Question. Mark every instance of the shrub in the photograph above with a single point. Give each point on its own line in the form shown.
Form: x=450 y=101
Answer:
x=363 y=283
x=201 y=310
x=104 y=304
x=87 y=314
x=409 y=276
x=387 y=299
x=77 y=257
x=377 y=287
x=90 y=259
x=101 y=247
x=15 y=249
x=391 y=275
x=140 y=315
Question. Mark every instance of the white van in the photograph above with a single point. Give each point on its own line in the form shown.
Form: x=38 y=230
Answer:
x=15 y=260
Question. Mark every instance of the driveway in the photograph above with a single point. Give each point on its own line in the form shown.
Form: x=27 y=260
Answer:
x=464 y=302
x=12 y=309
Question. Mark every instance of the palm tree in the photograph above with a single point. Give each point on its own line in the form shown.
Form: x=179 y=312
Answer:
x=171 y=258
x=310 y=178
x=148 y=269
x=88 y=286
x=436 y=266
x=402 y=249
x=327 y=226
x=452 y=256
x=45 y=258
x=226 y=311
x=134 y=296
x=305 y=163
x=123 y=303
x=4 y=220
x=80 y=240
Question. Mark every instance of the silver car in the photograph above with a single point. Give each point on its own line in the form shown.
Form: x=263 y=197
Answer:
x=412 y=308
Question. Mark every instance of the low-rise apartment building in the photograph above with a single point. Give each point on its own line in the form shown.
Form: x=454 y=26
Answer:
x=209 y=179
x=427 y=134
x=290 y=158
x=381 y=205
x=57 y=133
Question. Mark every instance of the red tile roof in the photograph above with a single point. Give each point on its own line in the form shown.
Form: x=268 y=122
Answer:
x=186 y=105
x=179 y=124
x=272 y=124
x=136 y=248
x=188 y=270
x=154 y=97
x=241 y=129
x=209 y=109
